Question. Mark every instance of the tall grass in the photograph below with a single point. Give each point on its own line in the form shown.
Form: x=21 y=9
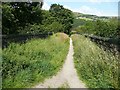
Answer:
x=24 y=65
x=96 y=67
x=0 y=68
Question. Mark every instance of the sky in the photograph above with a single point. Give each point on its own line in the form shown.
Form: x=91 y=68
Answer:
x=94 y=7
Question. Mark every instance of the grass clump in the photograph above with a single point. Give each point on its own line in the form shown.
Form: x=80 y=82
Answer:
x=64 y=86
x=24 y=65
x=96 y=67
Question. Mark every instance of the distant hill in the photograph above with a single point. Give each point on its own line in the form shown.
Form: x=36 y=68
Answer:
x=89 y=17
x=81 y=19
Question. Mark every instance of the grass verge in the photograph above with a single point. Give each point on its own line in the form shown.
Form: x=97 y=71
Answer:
x=96 y=67
x=64 y=86
x=24 y=65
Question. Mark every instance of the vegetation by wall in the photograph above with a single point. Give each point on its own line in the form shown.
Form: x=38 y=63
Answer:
x=26 y=64
x=96 y=67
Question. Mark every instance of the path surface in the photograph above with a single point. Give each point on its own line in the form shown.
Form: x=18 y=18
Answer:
x=66 y=75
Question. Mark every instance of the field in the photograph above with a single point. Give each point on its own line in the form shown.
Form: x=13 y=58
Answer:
x=25 y=65
x=96 y=67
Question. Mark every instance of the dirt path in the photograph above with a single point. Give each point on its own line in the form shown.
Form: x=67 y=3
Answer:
x=66 y=75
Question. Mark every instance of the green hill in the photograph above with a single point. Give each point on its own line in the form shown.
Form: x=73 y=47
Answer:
x=89 y=17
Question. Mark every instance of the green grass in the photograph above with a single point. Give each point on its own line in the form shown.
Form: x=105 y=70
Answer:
x=0 y=68
x=96 y=67
x=25 y=65
x=64 y=86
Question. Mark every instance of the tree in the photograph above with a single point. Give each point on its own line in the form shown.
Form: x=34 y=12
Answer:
x=17 y=15
x=63 y=16
x=56 y=27
x=8 y=19
x=101 y=28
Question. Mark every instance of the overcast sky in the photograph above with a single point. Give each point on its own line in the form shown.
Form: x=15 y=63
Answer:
x=95 y=7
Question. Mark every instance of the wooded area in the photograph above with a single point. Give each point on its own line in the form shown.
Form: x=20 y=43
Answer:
x=29 y=18
x=99 y=27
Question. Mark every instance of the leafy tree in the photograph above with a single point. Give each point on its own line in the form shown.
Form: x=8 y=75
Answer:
x=8 y=19
x=101 y=28
x=62 y=15
x=27 y=12
x=47 y=17
x=79 y=22
x=56 y=27
x=27 y=17
x=106 y=29
x=17 y=15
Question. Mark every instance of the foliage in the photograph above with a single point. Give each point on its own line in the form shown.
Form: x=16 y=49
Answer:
x=8 y=19
x=106 y=29
x=26 y=17
x=96 y=67
x=34 y=29
x=78 y=22
x=101 y=28
x=64 y=86
x=63 y=16
x=24 y=65
x=19 y=14
x=56 y=27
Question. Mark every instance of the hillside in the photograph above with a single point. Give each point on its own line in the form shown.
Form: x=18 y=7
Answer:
x=89 y=17
x=91 y=24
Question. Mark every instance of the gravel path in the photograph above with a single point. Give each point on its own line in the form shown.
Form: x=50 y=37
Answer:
x=67 y=74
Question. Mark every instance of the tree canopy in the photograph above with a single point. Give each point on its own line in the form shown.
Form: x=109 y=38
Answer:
x=63 y=16
x=17 y=15
x=101 y=28
x=28 y=17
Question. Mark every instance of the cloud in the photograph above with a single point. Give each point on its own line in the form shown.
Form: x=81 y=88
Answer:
x=85 y=10
x=89 y=10
x=45 y=6
x=65 y=6
x=100 y=1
